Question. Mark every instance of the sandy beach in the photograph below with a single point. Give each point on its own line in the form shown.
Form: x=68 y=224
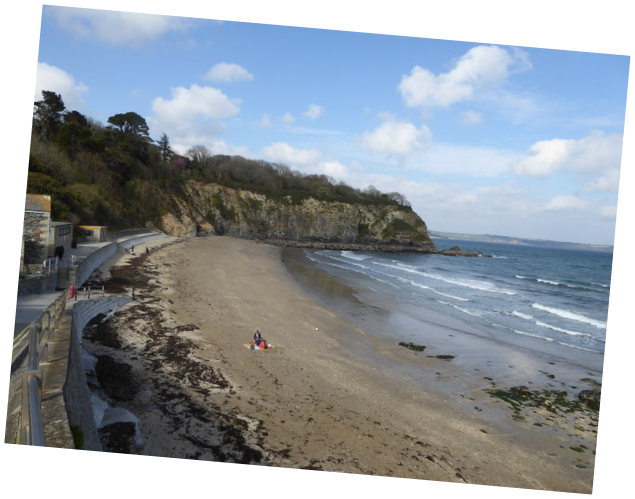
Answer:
x=175 y=358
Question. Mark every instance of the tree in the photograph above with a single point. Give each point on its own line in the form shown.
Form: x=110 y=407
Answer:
x=398 y=198
x=164 y=148
x=75 y=134
x=199 y=155
x=130 y=134
x=48 y=114
x=130 y=123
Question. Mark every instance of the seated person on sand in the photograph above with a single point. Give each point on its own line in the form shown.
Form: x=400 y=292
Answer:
x=259 y=341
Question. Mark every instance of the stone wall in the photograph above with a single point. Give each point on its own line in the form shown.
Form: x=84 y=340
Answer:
x=36 y=235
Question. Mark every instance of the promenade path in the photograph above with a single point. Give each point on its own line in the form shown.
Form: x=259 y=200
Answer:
x=29 y=308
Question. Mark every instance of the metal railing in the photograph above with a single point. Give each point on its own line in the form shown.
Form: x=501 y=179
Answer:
x=34 y=342
x=50 y=265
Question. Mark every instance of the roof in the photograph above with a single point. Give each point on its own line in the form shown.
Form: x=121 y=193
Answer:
x=38 y=202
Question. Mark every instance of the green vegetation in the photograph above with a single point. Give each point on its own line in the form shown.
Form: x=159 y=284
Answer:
x=412 y=346
x=116 y=175
x=554 y=401
x=445 y=357
x=78 y=437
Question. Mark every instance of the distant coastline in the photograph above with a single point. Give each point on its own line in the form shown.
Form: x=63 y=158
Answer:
x=488 y=238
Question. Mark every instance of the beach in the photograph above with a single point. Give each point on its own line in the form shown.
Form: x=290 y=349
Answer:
x=329 y=396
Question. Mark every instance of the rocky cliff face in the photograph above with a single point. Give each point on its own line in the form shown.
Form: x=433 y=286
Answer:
x=212 y=208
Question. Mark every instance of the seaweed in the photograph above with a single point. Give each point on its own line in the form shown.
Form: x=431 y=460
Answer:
x=412 y=346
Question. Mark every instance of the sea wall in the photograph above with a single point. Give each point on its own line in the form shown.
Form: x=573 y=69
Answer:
x=76 y=393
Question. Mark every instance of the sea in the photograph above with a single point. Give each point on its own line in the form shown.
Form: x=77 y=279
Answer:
x=546 y=300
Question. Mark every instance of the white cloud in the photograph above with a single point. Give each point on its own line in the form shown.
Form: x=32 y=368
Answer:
x=59 y=81
x=393 y=137
x=190 y=116
x=609 y=182
x=196 y=101
x=482 y=67
x=228 y=73
x=566 y=203
x=314 y=112
x=545 y=157
x=116 y=28
x=470 y=118
x=281 y=152
x=265 y=121
x=609 y=212
x=596 y=153
x=455 y=159
x=287 y=118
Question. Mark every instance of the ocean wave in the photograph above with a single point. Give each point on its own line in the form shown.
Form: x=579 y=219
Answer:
x=523 y=316
x=351 y=255
x=548 y=339
x=531 y=318
x=545 y=281
x=567 y=314
x=560 y=330
x=347 y=261
x=474 y=313
x=576 y=286
x=428 y=288
x=467 y=283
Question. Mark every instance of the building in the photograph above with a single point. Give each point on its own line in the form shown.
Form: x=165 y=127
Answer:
x=35 y=234
x=92 y=233
x=60 y=234
x=41 y=236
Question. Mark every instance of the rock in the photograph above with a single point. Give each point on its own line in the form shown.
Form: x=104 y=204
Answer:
x=456 y=251
x=308 y=223
x=590 y=398
x=208 y=208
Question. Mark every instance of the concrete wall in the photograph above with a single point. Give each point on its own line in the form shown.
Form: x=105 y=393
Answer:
x=92 y=261
x=76 y=393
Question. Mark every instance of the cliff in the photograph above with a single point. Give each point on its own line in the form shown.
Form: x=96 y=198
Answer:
x=208 y=208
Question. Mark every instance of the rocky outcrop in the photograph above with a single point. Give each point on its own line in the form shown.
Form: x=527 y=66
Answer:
x=456 y=251
x=213 y=208
x=206 y=209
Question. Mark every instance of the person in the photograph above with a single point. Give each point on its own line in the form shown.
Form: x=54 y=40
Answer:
x=259 y=341
x=257 y=338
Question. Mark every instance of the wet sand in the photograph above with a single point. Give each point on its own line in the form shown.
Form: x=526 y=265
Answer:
x=315 y=401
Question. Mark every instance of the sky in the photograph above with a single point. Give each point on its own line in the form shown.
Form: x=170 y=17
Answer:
x=481 y=138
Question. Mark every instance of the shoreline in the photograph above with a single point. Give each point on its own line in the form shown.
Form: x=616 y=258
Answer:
x=313 y=402
x=354 y=298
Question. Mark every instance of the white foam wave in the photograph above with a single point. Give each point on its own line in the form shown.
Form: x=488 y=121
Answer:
x=347 y=261
x=428 y=288
x=467 y=283
x=523 y=316
x=474 y=313
x=566 y=314
x=559 y=329
x=546 y=281
x=354 y=256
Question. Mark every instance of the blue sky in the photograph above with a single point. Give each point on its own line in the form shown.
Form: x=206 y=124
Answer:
x=480 y=137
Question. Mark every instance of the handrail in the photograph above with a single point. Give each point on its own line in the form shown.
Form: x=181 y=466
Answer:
x=38 y=334
x=49 y=265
